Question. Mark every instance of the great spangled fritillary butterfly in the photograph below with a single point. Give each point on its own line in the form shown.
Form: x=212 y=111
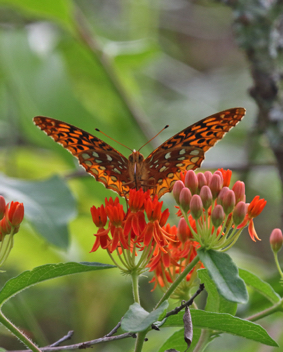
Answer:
x=160 y=170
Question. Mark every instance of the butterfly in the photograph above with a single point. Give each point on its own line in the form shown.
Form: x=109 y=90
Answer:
x=160 y=170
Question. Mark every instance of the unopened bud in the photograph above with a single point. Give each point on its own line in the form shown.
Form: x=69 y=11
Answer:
x=208 y=176
x=206 y=197
x=228 y=202
x=276 y=240
x=185 y=199
x=177 y=188
x=183 y=231
x=219 y=173
x=191 y=181
x=201 y=180
x=15 y=213
x=215 y=185
x=217 y=215
x=196 y=206
x=2 y=207
x=239 y=190
x=239 y=213
x=222 y=194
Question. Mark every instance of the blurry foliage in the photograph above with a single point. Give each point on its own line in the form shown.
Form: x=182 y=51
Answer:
x=177 y=62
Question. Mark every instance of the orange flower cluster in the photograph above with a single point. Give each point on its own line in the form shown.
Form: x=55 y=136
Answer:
x=214 y=213
x=142 y=230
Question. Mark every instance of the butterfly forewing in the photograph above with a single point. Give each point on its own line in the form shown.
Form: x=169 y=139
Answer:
x=185 y=150
x=99 y=159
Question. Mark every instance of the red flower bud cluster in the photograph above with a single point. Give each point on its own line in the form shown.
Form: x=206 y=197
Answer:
x=207 y=200
x=11 y=215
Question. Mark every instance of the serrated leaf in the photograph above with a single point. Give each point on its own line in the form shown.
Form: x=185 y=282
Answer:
x=177 y=341
x=215 y=302
x=225 y=275
x=43 y=273
x=259 y=285
x=137 y=319
x=224 y=322
x=49 y=205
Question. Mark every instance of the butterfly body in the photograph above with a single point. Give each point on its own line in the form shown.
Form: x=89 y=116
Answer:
x=160 y=170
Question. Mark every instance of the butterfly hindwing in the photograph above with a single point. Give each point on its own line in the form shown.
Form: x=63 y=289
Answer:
x=99 y=159
x=185 y=150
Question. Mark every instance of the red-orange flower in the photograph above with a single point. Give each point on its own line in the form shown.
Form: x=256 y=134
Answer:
x=254 y=209
x=153 y=230
x=15 y=213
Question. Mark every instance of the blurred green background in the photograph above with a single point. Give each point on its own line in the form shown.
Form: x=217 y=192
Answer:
x=172 y=63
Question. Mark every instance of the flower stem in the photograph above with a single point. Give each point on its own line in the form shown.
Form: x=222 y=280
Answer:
x=135 y=285
x=277 y=263
x=278 y=307
x=174 y=285
x=19 y=334
x=140 y=341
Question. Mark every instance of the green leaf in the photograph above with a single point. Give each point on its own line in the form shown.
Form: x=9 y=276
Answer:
x=177 y=341
x=223 y=322
x=43 y=273
x=215 y=302
x=49 y=205
x=225 y=275
x=59 y=10
x=137 y=319
x=260 y=286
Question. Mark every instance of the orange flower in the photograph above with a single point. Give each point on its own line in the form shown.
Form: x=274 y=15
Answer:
x=254 y=209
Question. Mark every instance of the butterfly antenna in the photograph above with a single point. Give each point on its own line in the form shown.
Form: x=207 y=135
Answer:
x=113 y=139
x=153 y=137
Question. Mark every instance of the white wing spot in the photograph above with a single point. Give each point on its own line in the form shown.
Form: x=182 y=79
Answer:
x=156 y=161
x=85 y=156
x=88 y=163
x=170 y=175
x=195 y=159
x=102 y=167
x=95 y=154
x=194 y=152
x=167 y=155
x=156 y=166
x=98 y=161
x=108 y=157
x=181 y=158
x=182 y=151
x=114 y=178
x=163 y=168
x=180 y=164
x=117 y=171
x=189 y=167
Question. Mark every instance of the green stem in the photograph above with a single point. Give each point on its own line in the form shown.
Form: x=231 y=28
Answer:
x=140 y=341
x=174 y=285
x=135 y=285
x=277 y=264
x=276 y=308
x=19 y=334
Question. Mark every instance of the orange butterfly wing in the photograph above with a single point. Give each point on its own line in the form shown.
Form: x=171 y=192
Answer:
x=185 y=150
x=99 y=159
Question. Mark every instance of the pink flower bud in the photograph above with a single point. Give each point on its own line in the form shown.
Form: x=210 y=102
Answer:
x=217 y=215
x=185 y=198
x=239 y=213
x=276 y=240
x=215 y=185
x=196 y=206
x=2 y=207
x=191 y=181
x=222 y=194
x=201 y=180
x=219 y=173
x=239 y=190
x=183 y=231
x=208 y=176
x=206 y=197
x=15 y=213
x=177 y=188
x=228 y=202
